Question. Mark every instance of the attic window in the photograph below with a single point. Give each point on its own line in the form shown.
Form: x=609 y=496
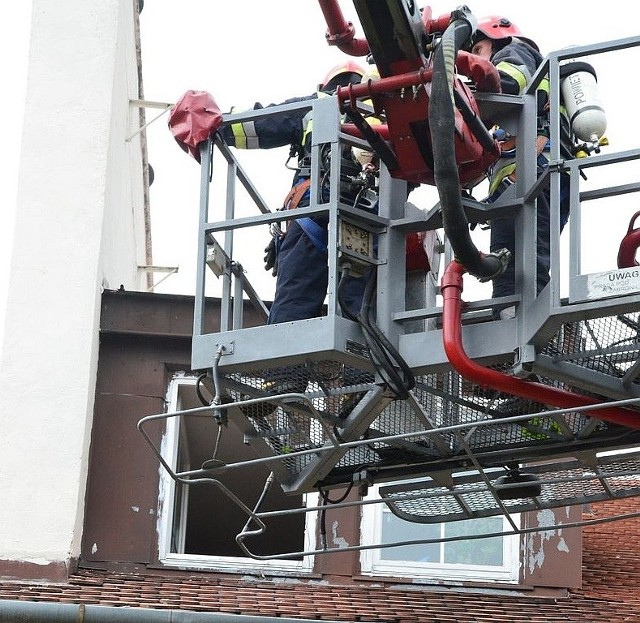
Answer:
x=198 y=522
x=485 y=559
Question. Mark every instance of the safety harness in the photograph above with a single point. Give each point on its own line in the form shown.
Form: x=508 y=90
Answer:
x=315 y=233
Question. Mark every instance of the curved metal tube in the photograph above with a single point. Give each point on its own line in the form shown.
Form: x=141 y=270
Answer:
x=451 y=288
x=340 y=32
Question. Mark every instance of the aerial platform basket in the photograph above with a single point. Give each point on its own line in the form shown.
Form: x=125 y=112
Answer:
x=333 y=422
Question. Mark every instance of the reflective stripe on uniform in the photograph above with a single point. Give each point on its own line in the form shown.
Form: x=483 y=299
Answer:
x=518 y=72
x=500 y=175
x=307 y=124
x=245 y=136
x=544 y=85
x=541 y=428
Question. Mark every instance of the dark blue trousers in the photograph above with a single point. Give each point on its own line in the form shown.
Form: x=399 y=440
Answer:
x=503 y=237
x=302 y=280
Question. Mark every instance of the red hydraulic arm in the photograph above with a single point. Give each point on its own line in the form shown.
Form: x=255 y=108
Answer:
x=406 y=127
x=402 y=95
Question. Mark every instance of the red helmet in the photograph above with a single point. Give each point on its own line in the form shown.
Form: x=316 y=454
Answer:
x=343 y=74
x=498 y=28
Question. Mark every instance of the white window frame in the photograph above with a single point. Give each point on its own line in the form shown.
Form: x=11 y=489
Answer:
x=166 y=501
x=372 y=563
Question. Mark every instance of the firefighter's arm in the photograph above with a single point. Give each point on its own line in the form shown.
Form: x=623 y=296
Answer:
x=267 y=131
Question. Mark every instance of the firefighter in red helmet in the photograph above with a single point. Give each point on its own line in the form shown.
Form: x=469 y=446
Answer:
x=342 y=75
x=498 y=39
x=299 y=257
x=517 y=59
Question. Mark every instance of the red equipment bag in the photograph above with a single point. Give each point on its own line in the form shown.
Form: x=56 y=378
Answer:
x=629 y=245
x=193 y=119
x=420 y=250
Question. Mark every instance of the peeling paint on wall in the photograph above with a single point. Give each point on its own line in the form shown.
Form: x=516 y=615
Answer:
x=535 y=551
x=562 y=545
x=338 y=541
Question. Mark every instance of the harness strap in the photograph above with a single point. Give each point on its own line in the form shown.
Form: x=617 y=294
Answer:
x=316 y=233
x=294 y=196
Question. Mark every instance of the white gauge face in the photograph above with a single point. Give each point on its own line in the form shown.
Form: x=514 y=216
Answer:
x=355 y=239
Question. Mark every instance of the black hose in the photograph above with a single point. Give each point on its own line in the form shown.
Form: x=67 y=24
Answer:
x=326 y=500
x=344 y=275
x=392 y=368
x=442 y=126
x=201 y=397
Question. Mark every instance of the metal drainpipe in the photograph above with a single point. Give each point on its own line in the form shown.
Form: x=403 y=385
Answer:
x=17 y=611
x=451 y=288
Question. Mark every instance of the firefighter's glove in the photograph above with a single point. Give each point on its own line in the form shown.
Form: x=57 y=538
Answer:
x=481 y=71
x=270 y=257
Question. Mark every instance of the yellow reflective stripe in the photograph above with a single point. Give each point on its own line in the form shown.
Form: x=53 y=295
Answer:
x=308 y=127
x=515 y=72
x=544 y=85
x=535 y=428
x=496 y=180
x=245 y=135
x=240 y=140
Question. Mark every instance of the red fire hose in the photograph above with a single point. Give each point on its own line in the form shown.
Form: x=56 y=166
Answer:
x=451 y=287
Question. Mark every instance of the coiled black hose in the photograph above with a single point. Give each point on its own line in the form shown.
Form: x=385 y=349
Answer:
x=442 y=127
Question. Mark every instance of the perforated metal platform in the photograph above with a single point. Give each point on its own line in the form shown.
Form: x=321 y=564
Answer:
x=598 y=354
x=446 y=424
x=468 y=496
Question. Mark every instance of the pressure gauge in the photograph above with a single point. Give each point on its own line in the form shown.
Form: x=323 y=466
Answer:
x=355 y=240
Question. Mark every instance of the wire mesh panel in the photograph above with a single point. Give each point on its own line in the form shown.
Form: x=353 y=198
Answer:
x=446 y=423
x=558 y=484
x=298 y=408
x=609 y=345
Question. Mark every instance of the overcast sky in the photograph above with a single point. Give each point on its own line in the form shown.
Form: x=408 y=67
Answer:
x=268 y=51
x=243 y=52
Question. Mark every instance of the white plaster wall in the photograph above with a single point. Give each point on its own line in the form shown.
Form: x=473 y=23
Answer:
x=123 y=232
x=74 y=229
x=14 y=77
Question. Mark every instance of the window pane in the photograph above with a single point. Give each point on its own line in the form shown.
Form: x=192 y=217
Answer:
x=205 y=520
x=395 y=529
x=476 y=551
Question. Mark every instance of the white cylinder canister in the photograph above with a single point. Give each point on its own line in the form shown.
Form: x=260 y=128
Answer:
x=580 y=95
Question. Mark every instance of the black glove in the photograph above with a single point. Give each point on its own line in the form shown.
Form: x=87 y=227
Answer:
x=270 y=256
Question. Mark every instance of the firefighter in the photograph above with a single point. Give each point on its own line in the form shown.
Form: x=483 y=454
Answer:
x=517 y=58
x=298 y=257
